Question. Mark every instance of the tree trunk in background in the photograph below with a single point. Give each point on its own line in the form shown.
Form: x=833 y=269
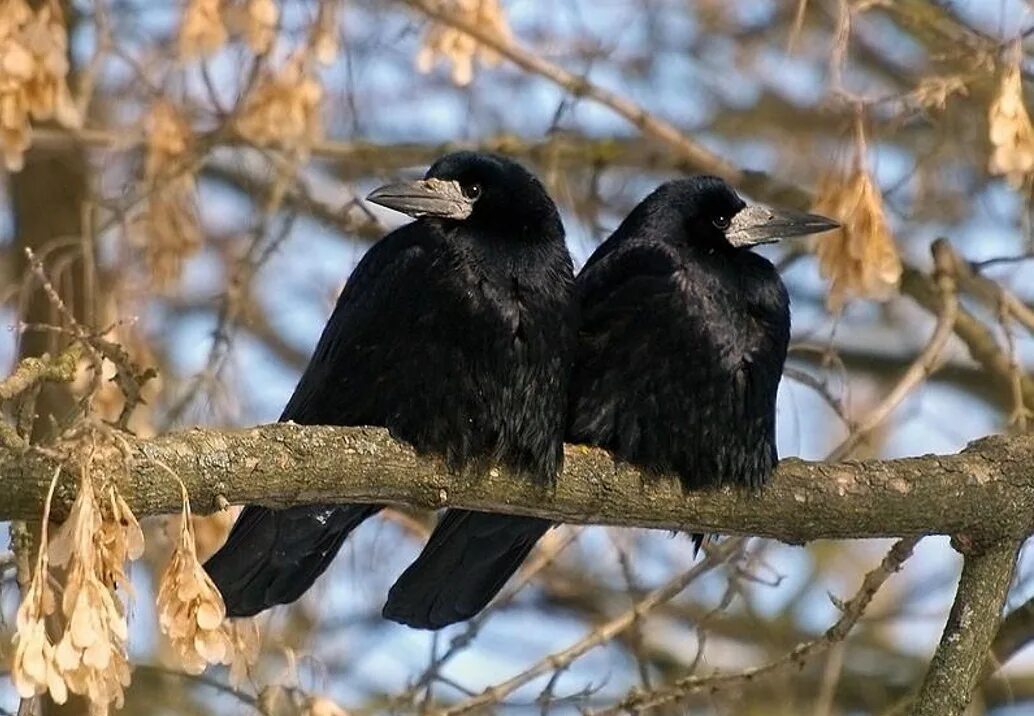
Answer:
x=47 y=197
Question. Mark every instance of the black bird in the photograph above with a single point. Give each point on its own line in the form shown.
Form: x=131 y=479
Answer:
x=521 y=390
x=452 y=332
x=683 y=335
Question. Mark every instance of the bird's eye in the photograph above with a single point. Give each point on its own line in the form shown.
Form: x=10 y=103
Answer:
x=721 y=222
x=472 y=191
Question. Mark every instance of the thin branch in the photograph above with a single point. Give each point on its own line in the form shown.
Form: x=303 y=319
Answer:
x=925 y=363
x=202 y=680
x=558 y=661
x=32 y=371
x=978 y=338
x=851 y=612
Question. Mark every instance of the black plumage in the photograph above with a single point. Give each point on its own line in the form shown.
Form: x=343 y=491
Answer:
x=470 y=555
x=683 y=334
x=453 y=332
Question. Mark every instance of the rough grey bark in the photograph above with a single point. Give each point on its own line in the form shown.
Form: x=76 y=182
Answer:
x=985 y=492
x=968 y=633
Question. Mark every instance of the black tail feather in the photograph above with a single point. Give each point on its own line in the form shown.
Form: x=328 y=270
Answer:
x=272 y=556
x=468 y=559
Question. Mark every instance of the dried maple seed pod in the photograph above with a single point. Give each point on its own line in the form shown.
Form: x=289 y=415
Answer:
x=457 y=47
x=171 y=227
x=860 y=259
x=1011 y=132
x=202 y=30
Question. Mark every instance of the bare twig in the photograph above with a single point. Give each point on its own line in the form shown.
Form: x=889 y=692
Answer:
x=925 y=363
x=31 y=371
x=851 y=611
x=600 y=635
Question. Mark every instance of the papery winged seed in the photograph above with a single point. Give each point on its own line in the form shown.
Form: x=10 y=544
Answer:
x=31 y=653
x=125 y=677
x=166 y=589
x=119 y=628
x=211 y=646
x=425 y=60
x=1010 y=94
x=66 y=656
x=1003 y=133
x=179 y=628
x=24 y=686
x=17 y=62
x=165 y=618
x=194 y=665
x=73 y=587
x=68 y=115
x=326 y=48
x=209 y=615
x=57 y=686
x=12 y=115
x=211 y=593
x=463 y=71
x=28 y=614
x=322 y=706
x=134 y=535
x=14 y=159
x=180 y=623
x=188 y=589
x=98 y=655
x=264 y=12
x=84 y=627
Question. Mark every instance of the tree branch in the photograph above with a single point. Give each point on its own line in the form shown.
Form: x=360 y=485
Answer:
x=971 y=627
x=986 y=491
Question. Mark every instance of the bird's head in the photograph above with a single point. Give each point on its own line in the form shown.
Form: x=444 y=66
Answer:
x=712 y=214
x=486 y=190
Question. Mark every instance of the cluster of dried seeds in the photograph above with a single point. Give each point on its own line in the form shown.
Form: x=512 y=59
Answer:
x=190 y=608
x=457 y=47
x=860 y=259
x=283 y=109
x=89 y=658
x=1011 y=132
x=172 y=230
x=207 y=25
x=34 y=668
x=192 y=614
x=255 y=21
x=33 y=75
x=324 y=41
x=202 y=30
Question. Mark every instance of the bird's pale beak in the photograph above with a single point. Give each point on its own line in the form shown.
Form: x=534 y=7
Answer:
x=761 y=225
x=426 y=197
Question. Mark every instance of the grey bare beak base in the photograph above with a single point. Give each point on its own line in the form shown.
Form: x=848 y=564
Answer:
x=425 y=197
x=761 y=225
